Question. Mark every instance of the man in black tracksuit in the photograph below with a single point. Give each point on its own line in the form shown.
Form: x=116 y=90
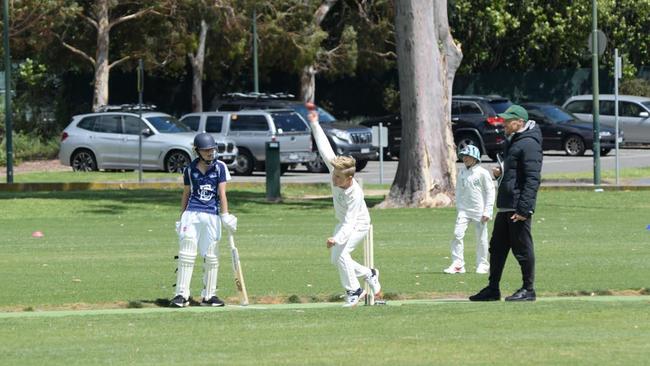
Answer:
x=522 y=165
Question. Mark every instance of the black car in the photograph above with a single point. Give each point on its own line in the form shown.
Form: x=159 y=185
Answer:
x=474 y=122
x=564 y=131
x=345 y=139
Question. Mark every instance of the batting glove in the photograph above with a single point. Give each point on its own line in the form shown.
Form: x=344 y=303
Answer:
x=229 y=221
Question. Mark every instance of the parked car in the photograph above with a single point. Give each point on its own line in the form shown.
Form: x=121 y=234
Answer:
x=474 y=121
x=562 y=130
x=109 y=140
x=252 y=129
x=634 y=114
x=345 y=139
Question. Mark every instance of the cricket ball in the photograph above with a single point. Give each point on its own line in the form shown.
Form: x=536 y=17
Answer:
x=310 y=106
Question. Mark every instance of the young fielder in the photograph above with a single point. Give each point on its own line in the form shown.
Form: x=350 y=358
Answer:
x=204 y=208
x=351 y=211
x=474 y=202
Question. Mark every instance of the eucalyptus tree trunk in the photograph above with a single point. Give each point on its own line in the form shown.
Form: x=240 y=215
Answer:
x=197 y=62
x=102 y=73
x=427 y=59
x=308 y=76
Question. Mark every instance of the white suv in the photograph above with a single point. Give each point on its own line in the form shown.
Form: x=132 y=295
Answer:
x=633 y=112
x=251 y=129
x=109 y=140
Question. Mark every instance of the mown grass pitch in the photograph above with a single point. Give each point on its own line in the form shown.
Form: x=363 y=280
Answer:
x=106 y=249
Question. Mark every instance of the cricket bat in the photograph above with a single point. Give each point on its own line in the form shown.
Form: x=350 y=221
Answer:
x=237 y=271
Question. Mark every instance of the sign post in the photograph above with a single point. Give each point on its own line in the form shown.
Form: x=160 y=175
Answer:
x=380 y=138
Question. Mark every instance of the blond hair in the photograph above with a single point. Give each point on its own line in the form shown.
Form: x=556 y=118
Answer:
x=345 y=164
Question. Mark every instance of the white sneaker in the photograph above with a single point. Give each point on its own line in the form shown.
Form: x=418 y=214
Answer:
x=373 y=282
x=483 y=269
x=454 y=268
x=352 y=298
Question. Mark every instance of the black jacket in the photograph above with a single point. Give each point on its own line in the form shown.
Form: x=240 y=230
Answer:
x=522 y=166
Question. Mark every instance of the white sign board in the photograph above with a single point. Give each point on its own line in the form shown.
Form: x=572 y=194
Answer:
x=379 y=137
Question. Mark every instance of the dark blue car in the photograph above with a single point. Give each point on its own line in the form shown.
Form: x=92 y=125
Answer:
x=564 y=131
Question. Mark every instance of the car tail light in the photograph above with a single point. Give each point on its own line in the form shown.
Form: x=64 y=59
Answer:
x=495 y=121
x=64 y=136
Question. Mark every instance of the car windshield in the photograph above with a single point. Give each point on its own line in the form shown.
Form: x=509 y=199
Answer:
x=557 y=115
x=323 y=115
x=500 y=105
x=288 y=121
x=168 y=124
x=646 y=104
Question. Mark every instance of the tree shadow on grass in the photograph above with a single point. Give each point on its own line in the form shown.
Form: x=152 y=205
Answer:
x=119 y=200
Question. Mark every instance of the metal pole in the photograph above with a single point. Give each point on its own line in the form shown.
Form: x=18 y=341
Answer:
x=8 y=125
x=617 y=75
x=381 y=156
x=140 y=89
x=596 y=101
x=255 y=74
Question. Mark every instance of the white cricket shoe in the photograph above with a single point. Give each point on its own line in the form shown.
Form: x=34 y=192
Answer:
x=483 y=269
x=373 y=282
x=352 y=298
x=454 y=268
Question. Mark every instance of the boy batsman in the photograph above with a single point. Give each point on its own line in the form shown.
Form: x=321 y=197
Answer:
x=204 y=208
x=352 y=213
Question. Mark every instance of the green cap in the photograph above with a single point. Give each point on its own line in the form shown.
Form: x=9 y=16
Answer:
x=514 y=112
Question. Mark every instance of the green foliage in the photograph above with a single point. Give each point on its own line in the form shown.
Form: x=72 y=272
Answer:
x=640 y=87
x=29 y=147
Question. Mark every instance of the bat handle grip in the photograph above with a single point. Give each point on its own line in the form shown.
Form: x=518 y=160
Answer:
x=231 y=241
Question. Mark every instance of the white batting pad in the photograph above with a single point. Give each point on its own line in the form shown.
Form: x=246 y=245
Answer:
x=186 y=258
x=210 y=269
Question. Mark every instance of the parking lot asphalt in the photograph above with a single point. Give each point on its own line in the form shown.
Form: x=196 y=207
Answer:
x=554 y=162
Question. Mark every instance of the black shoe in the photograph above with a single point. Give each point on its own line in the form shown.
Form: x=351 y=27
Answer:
x=213 y=301
x=522 y=295
x=486 y=294
x=179 y=301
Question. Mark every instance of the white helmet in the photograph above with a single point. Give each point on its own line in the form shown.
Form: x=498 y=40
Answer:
x=470 y=150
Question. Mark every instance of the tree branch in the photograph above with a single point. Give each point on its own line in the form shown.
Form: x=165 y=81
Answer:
x=115 y=63
x=76 y=50
x=130 y=17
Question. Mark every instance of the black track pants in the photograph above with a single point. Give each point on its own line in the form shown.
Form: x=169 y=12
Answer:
x=517 y=236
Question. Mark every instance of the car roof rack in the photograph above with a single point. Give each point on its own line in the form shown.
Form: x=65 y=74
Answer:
x=255 y=95
x=126 y=108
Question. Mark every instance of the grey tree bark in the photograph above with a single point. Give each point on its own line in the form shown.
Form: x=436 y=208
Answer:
x=427 y=59
x=308 y=76
x=198 y=60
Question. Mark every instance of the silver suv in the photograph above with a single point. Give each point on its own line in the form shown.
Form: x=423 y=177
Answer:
x=633 y=112
x=109 y=140
x=251 y=129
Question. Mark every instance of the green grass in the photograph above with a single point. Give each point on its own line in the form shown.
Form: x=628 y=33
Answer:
x=624 y=174
x=552 y=333
x=85 y=177
x=107 y=249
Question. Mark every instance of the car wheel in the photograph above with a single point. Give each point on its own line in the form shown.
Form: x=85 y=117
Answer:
x=317 y=166
x=175 y=161
x=467 y=139
x=604 y=152
x=361 y=164
x=245 y=163
x=83 y=161
x=574 y=145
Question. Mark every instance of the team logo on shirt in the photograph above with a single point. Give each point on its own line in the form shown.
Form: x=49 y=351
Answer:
x=206 y=192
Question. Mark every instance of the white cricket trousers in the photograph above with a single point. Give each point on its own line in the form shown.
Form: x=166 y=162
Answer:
x=462 y=221
x=203 y=230
x=348 y=268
